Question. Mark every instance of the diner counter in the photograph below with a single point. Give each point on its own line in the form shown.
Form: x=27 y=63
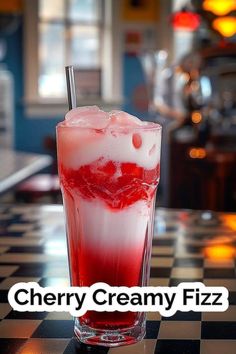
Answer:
x=187 y=246
x=17 y=166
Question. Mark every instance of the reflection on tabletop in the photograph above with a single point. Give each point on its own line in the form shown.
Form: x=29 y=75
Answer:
x=187 y=246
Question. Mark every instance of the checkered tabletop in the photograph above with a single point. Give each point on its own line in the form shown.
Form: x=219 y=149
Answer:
x=188 y=246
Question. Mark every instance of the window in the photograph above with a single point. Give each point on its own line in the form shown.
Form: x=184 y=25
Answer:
x=70 y=31
x=83 y=33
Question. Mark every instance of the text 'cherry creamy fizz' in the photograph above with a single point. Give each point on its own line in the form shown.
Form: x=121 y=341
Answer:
x=109 y=166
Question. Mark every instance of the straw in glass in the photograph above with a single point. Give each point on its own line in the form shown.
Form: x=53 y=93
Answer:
x=70 y=82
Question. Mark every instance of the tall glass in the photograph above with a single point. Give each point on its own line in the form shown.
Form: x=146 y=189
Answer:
x=109 y=178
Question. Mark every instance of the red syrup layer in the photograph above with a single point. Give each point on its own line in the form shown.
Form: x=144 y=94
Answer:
x=119 y=185
x=116 y=270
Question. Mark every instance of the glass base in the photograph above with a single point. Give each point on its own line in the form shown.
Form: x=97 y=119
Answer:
x=109 y=338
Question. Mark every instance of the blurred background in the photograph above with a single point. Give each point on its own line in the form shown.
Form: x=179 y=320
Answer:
x=169 y=61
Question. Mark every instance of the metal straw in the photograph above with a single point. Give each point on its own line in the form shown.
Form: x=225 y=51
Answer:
x=70 y=82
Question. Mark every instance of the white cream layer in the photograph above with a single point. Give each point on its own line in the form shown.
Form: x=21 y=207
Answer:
x=103 y=228
x=82 y=146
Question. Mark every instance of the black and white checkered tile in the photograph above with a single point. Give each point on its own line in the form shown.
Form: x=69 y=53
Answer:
x=185 y=248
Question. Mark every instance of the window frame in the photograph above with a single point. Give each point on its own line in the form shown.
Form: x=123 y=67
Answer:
x=36 y=106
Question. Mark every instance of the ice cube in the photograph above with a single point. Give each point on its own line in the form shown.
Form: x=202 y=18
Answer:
x=121 y=118
x=87 y=117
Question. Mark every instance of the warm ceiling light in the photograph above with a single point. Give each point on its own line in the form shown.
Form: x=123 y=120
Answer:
x=219 y=7
x=226 y=26
x=196 y=117
x=185 y=20
x=197 y=153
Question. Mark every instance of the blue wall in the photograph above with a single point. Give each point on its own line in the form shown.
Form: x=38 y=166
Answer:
x=133 y=80
x=29 y=133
